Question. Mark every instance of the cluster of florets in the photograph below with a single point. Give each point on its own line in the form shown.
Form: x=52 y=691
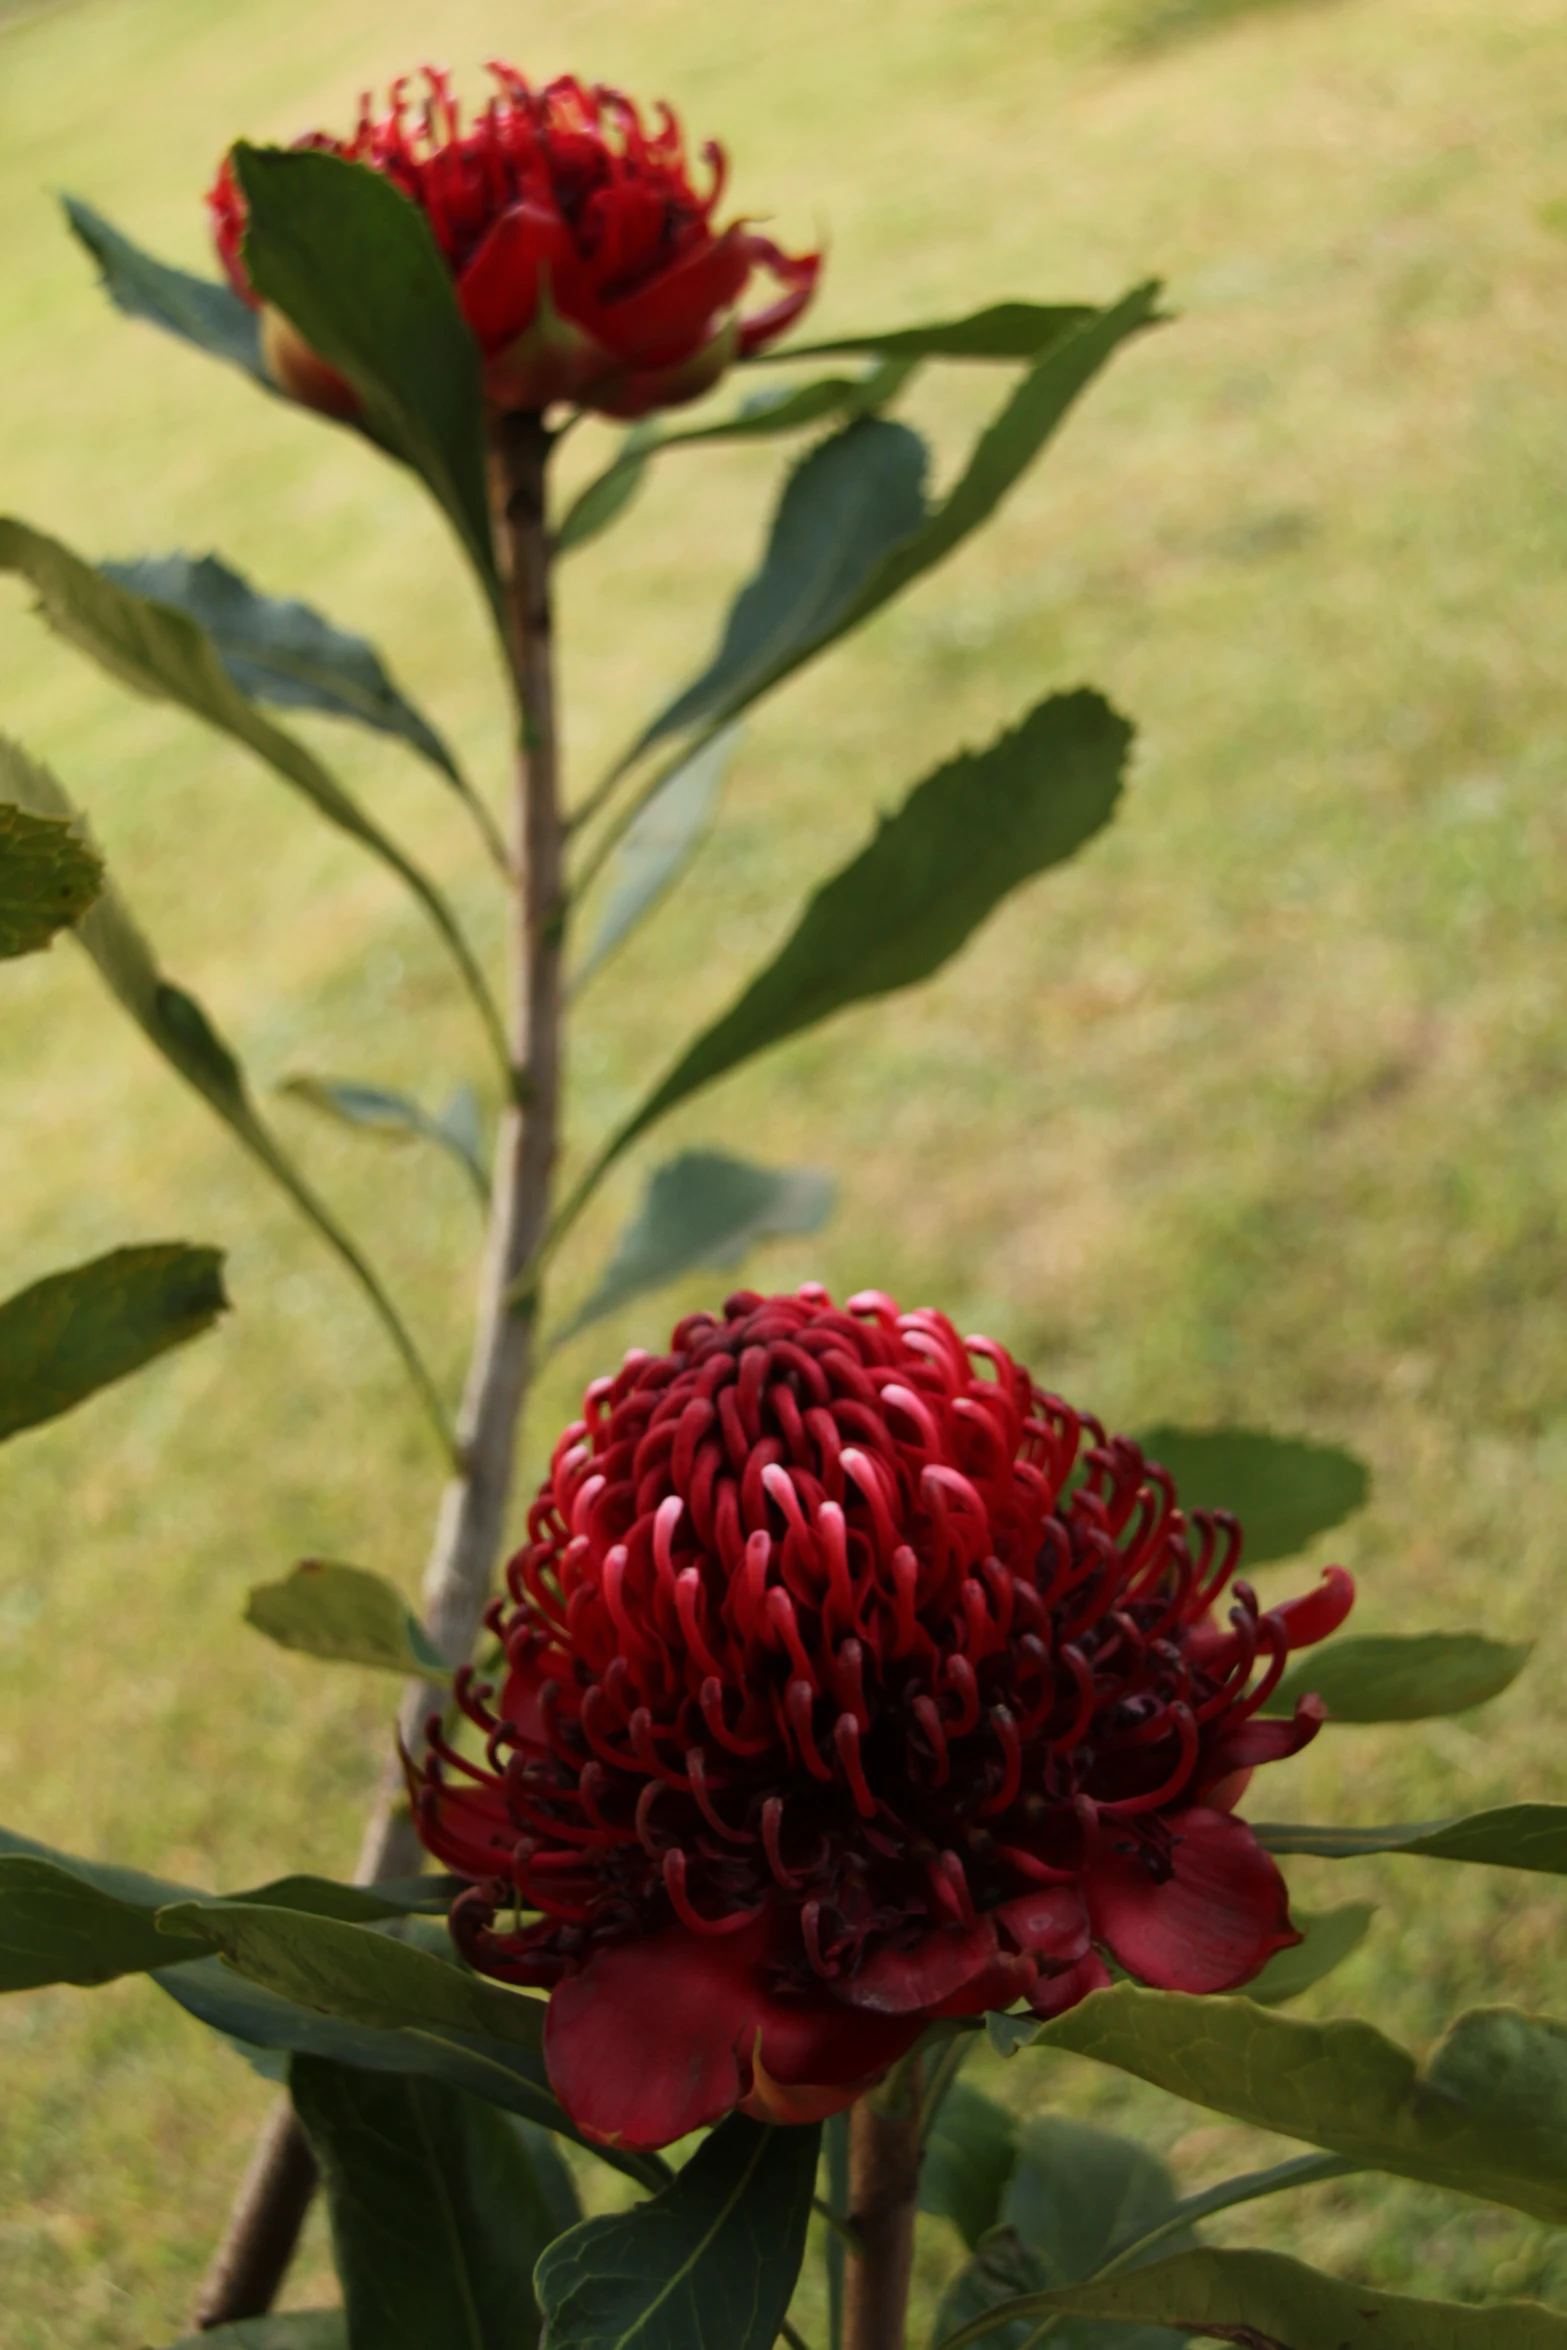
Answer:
x=852 y=1681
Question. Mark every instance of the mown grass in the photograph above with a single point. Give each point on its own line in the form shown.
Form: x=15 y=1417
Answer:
x=1257 y=1113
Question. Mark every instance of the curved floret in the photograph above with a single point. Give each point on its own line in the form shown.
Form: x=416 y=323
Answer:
x=851 y=1681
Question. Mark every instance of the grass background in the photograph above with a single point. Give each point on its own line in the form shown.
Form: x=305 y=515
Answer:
x=1256 y=1113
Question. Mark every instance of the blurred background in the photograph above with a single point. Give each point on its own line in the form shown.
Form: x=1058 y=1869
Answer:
x=1255 y=1114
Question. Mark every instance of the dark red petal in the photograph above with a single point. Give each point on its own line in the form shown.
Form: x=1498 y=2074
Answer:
x=499 y=289
x=1008 y=1978
x=1054 y=1994
x=818 y=2041
x=899 y=1982
x=798 y=275
x=1318 y=1613
x=1255 y=1743
x=1052 y=1921
x=674 y=314
x=654 y=2038
x=1211 y=1925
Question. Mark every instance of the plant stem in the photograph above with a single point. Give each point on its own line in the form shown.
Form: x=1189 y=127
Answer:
x=884 y=2179
x=471 y=1521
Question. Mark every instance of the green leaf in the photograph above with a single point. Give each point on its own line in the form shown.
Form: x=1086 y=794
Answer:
x=345 y=1615
x=1410 y=1679
x=356 y=1972
x=354 y=265
x=177 y=1027
x=966 y=837
x=48 y=879
x=968 y=2159
x=1284 y=1491
x=75 y=1332
x=289 y=2329
x=710 y=2264
x=285 y=653
x=440 y=2205
x=845 y=506
x=55 y=1928
x=1006 y=330
x=1513 y=1836
x=162 y=652
x=1486 y=2115
x=376 y=1110
x=199 y=310
x=1331 y=1936
x=658 y=843
x=704 y=1208
x=607 y=496
x=1264 y=2301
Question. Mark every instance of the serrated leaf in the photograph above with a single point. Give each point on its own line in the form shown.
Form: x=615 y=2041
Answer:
x=657 y=845
x=283 y=652
x=286 y=2329
x=1486 y=2115
x=164 y=653
x=1284 y=1490
x=376 y=1109
x=967 y=2161
x=1265 y=2301
x=355 y=267
x=48 y=879
x=345 y=1615
x=704 y=1208
x=440 y=2205
x=710 y=2261
x=69 y=1335
x=355 y=1972
x=844 y=507
x=964 y=839
x=1329 y=1937
x=1414 y=1678
x=262 y=2021
x=1512 y=1836
x=177 y=1027
x=1004 y=330
x=199 y=310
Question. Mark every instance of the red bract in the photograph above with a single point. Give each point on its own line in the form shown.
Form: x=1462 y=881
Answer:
x=834 y=1704
x=586 y=262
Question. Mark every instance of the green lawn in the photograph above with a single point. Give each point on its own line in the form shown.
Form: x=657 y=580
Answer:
x=1256 y=1114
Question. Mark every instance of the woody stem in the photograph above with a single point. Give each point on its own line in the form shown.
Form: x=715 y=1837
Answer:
x=884 y=2177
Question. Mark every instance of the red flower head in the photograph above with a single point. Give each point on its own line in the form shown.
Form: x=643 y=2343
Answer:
x=834 y=1704
x=586 y=262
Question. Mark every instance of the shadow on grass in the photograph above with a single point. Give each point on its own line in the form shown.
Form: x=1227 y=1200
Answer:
x=1142 y=26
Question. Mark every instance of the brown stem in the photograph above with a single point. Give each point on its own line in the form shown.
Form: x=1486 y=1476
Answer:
x=471 y=1521
x=884 y=2180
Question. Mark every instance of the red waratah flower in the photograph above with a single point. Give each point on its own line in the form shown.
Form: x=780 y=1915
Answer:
x=586 y=262
x=833 y=1704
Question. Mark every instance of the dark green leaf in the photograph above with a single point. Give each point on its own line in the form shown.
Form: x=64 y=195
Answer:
x=968 y=2160
x=354 y=265
x=710 y=2264
x=1331 y=1936
x=285 y=653
x=289 y=2329
x=835 y=2155
x=376 y=1110
x=1284 y=1491
x=1264 y=2301
x=67 y=1336
x=1486 y=2115
x=1514 y=1836
x=259 y=2020
x=844 y=507
x=963 y=840
x=48 y=878
x=1411 y=1679
x=200 y=310
x=1006 y=330
x=356 y=1972
x=163 y=652
x=56 y=1928
x=346 y=1615
x=608 y=495
x=659 y=842
x=704 y=1208
x=440 y=2206
x=177 y=1027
